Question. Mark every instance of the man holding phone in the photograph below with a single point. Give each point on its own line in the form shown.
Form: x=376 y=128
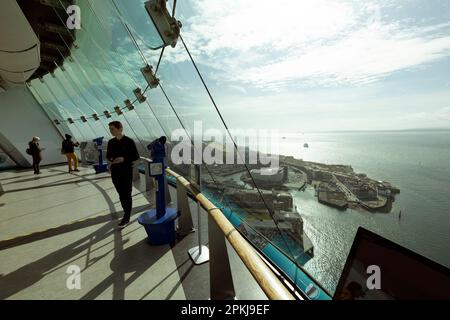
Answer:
x=121 y=153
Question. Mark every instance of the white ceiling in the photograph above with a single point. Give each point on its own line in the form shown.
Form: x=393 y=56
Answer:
x=19 y=45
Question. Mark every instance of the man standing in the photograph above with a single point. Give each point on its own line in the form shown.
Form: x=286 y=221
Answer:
x=68 y=148
x=121 y=153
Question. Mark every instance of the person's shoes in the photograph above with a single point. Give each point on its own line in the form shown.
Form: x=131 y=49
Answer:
x=123 y=224
x=76 y=170
x=70 y=171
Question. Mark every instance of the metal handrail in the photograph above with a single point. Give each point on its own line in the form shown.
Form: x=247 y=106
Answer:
x=264 y=276
x=262 y=273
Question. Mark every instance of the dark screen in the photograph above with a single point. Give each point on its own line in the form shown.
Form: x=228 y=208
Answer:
x=377 y=268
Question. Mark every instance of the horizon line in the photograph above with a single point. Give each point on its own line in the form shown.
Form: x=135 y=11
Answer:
x=380 y=130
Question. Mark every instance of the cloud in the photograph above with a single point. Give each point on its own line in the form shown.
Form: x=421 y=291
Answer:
x=363 y=57
x=439 y=118
x=273 y=45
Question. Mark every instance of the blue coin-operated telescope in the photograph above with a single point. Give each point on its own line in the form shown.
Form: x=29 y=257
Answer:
x=101 y=166
x=159 y=222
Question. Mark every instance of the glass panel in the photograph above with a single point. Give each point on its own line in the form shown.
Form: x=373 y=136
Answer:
x=134 y=14
x=294 y=76
x=265 y=215
x=58 y=111
x=321 y=83
x=103 y=71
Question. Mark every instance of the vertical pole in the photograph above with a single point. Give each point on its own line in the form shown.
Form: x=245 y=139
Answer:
x=149 y=182
x=161 y=193
x=185 y=222
x=136 y=175
x=199 y=254
x=83 y=154
x=166 y=187
x=199 y=216
x=100 y=154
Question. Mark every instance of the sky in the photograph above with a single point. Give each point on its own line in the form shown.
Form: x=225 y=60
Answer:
x=288 y=65
x=301 y=66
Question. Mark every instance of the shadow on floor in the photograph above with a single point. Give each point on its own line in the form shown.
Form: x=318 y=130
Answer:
x=33 y=178
x=10 y=178
x=129 y=260
x=30 y=274
x=47 y=185
x=136 y=260
x=36 y=236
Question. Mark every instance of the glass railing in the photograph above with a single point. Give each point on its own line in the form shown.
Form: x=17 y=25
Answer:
x=102 y=72
x=296 y=197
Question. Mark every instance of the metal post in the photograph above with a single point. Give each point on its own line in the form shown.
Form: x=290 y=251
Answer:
x=1 y=189
x=185 y=225
x=136 y=176
x=168 y=197
x=149 y=181
x=220 y=279
x=161 y=192
x=83 y=154
x=200 y=253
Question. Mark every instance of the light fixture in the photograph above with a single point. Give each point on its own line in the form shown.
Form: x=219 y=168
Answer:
x=129 y=105
x=83 y=118
x=70 y=120
x=168 y=27
x=118 y=110
x=149 y=76
x=95 y=116
x=139 y=96
x=107 y=114
x=56 y=121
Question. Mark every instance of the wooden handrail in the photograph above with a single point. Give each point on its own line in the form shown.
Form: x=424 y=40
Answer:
x=263 y=275
x=145 y=159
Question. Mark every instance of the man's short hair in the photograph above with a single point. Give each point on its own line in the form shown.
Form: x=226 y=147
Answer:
x=116 y=124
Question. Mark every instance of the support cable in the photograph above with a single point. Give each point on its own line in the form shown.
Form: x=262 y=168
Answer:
x=234 y=142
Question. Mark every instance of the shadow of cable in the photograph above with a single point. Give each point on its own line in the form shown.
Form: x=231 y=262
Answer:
x=11 y=178
x=124 y=261
x=52 y=207
x=136 y=260
x=30 y=274
x=7 y=244
x=48 y=185
x=165 y=278
x=34 y=178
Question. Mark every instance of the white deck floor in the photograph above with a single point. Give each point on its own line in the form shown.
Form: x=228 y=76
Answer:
x=55 y=220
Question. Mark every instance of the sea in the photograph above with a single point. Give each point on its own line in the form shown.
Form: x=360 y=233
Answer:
x=417 y=162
